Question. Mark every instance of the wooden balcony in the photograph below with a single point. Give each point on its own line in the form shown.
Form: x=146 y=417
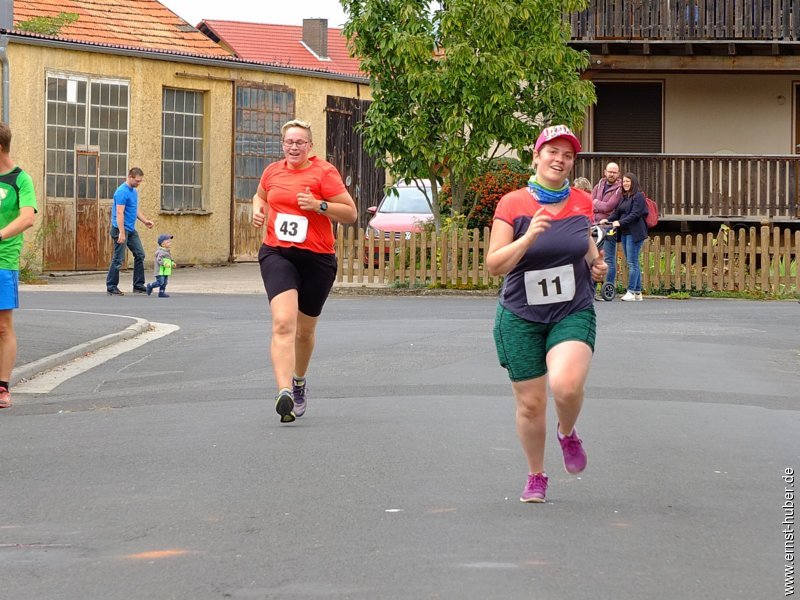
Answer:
x=689 y=20
x=738 y=188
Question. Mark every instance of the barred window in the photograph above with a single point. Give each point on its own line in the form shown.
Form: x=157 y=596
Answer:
x=85 y=113
x=261 y=110
x=182 y=150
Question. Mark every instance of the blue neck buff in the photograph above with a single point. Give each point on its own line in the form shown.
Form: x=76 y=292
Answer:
x=545 y=195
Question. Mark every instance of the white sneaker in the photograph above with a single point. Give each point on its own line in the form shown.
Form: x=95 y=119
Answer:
x=638 y=296
x=628 y=297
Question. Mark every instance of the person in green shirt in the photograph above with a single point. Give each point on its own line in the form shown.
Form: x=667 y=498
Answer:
x=17 y=213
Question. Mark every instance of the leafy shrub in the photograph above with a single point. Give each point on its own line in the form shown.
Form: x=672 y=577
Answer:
x=29 y=259
x=484 y=192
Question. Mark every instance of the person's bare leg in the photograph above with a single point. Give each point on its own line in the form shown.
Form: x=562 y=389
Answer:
x=531 y=397
x=284 y=331
x=568 y=368
x=8 y=350
x=568 y=364
x=305 y=339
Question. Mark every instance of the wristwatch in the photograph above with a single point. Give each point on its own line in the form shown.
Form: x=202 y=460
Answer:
x=323 y=206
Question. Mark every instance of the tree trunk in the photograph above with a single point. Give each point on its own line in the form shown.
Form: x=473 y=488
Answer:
x=458 y=188
x=435 y=208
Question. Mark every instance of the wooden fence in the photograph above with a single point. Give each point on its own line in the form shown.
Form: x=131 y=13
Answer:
x=757 y=260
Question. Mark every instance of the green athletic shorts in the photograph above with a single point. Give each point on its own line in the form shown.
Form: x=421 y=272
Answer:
x=522 y=346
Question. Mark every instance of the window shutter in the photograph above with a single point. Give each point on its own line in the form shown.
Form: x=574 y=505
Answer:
x=627 y=117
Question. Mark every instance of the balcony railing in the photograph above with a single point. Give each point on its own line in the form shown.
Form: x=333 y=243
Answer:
x=701 y=187
x=766 y=20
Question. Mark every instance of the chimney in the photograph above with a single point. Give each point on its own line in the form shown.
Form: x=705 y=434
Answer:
x=315 y=36
x=7 y=14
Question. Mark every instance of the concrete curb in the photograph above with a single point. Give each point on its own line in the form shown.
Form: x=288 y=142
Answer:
x=27 y=371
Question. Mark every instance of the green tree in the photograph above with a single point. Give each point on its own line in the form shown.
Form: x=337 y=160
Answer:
x=48 y=25
x=454 y=81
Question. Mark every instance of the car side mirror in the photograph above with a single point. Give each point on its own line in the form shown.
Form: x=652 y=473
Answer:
x=372 y=210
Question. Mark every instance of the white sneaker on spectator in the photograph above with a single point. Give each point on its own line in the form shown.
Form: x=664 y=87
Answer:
x=638 y=296
x=628 y=297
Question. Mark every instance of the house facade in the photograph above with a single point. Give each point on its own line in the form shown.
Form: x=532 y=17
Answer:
x=317 y=47
x=701 y=99
x=136 y=85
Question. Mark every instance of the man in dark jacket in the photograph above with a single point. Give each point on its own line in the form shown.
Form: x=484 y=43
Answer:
x=605 y=198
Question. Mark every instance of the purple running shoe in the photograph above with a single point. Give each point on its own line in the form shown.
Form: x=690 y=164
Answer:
x=299 y=393
x=535 y=489
x=574 y=455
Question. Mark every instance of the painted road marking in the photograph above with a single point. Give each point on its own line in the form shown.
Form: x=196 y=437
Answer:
x=47 y=381
x=156 y=554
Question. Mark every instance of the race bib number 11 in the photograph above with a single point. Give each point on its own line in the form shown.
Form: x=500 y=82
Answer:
x=291 y=228
x=548 y=286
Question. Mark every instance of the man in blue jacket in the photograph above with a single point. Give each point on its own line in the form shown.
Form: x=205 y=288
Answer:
x=126 y=211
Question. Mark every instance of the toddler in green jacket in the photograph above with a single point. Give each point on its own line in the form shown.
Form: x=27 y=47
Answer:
x=163 y=266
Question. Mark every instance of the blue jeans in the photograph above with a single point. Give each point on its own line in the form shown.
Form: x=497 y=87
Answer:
x=133 y=242
x=610 y=251
x=160 y=283
x=632 y=250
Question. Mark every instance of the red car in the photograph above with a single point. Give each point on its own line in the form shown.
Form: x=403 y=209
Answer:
x=397 y=215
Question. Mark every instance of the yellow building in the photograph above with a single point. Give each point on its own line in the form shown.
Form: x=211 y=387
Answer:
x=135 y=85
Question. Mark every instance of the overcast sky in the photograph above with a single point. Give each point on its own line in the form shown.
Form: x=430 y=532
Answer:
x=283 y=12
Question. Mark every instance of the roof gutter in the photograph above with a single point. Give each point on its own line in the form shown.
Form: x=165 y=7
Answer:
x=192 y=59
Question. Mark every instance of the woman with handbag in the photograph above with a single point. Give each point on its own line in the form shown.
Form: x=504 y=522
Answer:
x=628 y=219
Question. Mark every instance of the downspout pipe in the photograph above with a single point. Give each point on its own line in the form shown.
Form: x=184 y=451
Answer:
x=6 y=78
x=6 y=25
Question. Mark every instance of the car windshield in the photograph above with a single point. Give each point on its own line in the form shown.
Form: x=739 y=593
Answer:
x=408 y=200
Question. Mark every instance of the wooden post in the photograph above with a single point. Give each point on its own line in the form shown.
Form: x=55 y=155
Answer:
x=753 y=263
x=475 y=256
x=741 y=259
x=434 y=258
x=797 y=262
x=423 y=257
x=349 y=250
x=765 y=259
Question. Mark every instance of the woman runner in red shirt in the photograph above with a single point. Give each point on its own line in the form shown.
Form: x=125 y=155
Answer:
x=297 y=198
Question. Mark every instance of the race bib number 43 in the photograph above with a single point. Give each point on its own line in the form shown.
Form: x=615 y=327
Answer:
x=548 y=286
x=291 y=228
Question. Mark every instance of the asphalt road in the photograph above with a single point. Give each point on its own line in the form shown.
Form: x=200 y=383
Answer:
x=164 y=472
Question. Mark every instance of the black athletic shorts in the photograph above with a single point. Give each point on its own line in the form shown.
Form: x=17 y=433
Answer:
x=310 y=273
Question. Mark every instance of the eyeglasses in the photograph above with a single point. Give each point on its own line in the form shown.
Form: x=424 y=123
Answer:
x=298 y=143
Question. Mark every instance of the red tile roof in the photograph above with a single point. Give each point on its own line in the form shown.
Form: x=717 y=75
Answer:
x=282 y=45
x=131 y=23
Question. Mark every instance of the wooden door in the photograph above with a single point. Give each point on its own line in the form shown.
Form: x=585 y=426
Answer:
x=345 y=151
x=260 y=112
x=87 y=212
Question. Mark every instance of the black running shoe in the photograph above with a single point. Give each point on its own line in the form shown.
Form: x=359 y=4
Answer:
x=284 y=406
